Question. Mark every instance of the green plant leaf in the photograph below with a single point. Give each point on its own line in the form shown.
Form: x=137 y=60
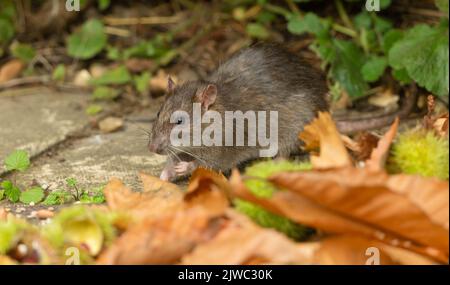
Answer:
x=442 y=5
x=258 y=31
x=374 y=68
x=71 y=182
x=346 y=64
x=423 y=52
x=59 y=72
x=24 y=52
x=105 y=93
x=33 y=195
x=18 y=160
x=363 y=20
x=93 y=109
x=103 y=4
x=10 y=191
x=141 y=82
x=87 y=42
x=2 y=194
x=390 y=38
x=58 y=197
x=401 y=75
x=382 y=25
x=310 y=23
x=118 y=75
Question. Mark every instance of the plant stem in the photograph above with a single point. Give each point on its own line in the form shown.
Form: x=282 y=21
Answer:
x=278 y=10
x=343 y=14
x=344 y=30
x=293 y=7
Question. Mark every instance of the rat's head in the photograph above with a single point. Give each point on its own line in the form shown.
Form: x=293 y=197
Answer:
x=179 y=98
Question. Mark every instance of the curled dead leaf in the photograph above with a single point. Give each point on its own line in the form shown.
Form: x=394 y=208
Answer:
x=357 y=250
x=11 y=70
x=158 y=198
x=249 y=245
x=386 y=204
x=162 y=240
x=379 y=154
x=208 y=189
x=322 y=134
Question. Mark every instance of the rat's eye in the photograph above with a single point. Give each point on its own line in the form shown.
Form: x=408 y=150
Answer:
x=180 y=121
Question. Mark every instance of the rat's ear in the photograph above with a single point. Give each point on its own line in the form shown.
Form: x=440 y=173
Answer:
x=170 y=85
x=208 y=96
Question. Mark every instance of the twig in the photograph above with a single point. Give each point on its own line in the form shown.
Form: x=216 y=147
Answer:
x=117 y=32
x=25 y=81
x=160 y=20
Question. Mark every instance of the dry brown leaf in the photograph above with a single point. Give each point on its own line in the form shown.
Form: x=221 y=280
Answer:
x=3 y=214
x=237 y=245
x=351 y=250
x=301 y=210
x=379 y=154
x=11 y=70
x=163 y=240
x=208 y=189
x=155 y=184
x=357 y=250
x=385 y=203
x=137 y=65
x=322 y=133
x=158 y=198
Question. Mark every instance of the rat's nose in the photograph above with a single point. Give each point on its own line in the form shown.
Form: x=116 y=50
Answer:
x=156 y=148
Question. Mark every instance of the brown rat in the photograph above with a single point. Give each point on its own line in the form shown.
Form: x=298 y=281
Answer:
x=265 y=77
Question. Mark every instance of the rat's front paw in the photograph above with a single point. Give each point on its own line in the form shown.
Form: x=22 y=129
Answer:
x=184 y=168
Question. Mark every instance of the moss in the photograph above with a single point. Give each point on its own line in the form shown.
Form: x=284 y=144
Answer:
x=420 y=152
x=263 y=189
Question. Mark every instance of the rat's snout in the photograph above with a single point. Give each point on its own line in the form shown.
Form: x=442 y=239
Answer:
x=156 y=146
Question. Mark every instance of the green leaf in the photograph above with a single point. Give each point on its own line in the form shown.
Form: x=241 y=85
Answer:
x=346 y=68
x=87 y=42
x=6 y=31
x=103 y=4
x=11 y=191
x=118 y=75
x=141 y=82
x=93 y=109
x=71 y=182
x=59 y=72
x=33 y=195
x=24 y=52
x=154 y=48
x=310 y=23
x=382 y=25
x=374 y=68
x=442 y=5
x=363 y=20
x=385 y=4
x=18 y=160
x=58 y=197
x=2 y=194
x=401 y=75
x=390 y=38
x=105 y=93
x=113 y=53
x=256 y=30
x=423 y=52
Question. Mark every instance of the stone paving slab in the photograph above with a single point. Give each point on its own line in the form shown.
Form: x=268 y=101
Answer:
x=94 y=160
x=35 y=119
